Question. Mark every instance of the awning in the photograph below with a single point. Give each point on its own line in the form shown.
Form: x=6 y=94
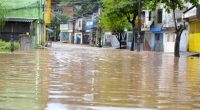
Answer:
x=21 y=19
x=156 y=29
x=50 y=30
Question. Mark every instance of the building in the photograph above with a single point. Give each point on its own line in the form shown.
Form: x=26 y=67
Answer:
x=148 y=35
x=191 y=15
x=159 y=30
x=27 y=17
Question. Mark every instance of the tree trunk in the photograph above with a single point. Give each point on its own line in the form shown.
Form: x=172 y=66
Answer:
x=132 y=44
x=176 y=47
x=177 y=42
x=138 y=42
x=178 y=31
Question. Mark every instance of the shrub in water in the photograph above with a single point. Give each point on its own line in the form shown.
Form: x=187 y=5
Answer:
x=5 y=46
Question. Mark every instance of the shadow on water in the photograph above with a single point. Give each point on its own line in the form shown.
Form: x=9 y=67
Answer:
x=98 y=79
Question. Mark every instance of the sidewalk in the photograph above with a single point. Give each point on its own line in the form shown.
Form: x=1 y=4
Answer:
x=67 y=45
x=183 y=53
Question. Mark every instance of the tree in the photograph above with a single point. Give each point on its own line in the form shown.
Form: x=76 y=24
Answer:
x=115 y=24
x=171 y=6
x=56 y=20
x=3 y=12
x=82 y=7
x=112 y=21
x=123 y=8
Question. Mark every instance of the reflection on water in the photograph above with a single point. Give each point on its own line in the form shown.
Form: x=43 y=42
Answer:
x=98 y=79
x=22 y=81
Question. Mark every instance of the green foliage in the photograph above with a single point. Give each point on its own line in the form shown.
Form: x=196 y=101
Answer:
x=117 y=14
x=56 y=20
x=3 y=12
x=171 y=4
x=60 y=18
x=5 y=46
x=16 y=45
x=82 y=7
x=113 y=22
x=64 y=3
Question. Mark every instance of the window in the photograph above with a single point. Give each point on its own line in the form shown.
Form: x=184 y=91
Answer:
x=159 y=15
x=149 y=15
x=143 y=15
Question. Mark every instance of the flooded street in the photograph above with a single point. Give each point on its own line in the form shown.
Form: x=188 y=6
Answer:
x=90 y=78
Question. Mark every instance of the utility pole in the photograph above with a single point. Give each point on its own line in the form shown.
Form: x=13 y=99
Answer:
x=73 y=21
x=139 y=25
x=55 y=27
x=43 y=6
x=12 y=42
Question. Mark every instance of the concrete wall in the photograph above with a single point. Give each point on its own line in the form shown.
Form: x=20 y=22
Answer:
x=184 y=41
x=114 y=41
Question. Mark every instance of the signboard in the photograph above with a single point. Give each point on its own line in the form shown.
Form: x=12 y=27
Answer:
x=89 y=24
x=63 y=26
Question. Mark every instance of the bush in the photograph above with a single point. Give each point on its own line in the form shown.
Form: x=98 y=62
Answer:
x=5 y=46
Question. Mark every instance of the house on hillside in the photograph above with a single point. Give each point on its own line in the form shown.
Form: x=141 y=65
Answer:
x=79 y=31
x=28 y=17
x=65 y=32
x=84 y=28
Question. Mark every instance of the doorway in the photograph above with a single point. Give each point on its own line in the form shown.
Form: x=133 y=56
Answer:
x=158 y=42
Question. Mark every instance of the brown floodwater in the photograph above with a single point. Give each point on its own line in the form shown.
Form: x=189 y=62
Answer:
x=89 y=78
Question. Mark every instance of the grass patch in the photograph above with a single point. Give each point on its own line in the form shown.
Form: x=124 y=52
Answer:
x=5 y=46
